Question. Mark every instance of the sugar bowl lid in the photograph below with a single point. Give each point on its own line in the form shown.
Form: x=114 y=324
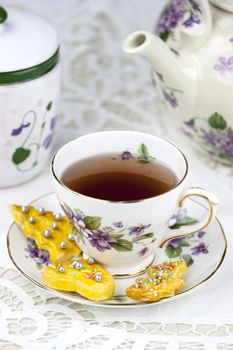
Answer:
x=29 y=46
x=223 y=4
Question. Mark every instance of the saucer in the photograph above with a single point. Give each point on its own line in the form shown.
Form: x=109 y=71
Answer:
x=203 y=252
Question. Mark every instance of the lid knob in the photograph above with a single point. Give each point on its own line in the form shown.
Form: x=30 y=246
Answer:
x=3 y=15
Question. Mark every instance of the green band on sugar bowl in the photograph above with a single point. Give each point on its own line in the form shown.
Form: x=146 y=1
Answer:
x=29 y=73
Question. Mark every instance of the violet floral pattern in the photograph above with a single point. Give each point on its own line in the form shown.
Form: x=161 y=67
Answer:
x=90 y=229
x=224 y=65
x=185 y=247
x=41 y=257
x=26 y=129
x=142 y=155
x=214 y=134
x=178 y=12
x=170 y=94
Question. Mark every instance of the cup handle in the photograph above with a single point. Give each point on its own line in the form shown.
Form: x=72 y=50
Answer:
x=212 y=202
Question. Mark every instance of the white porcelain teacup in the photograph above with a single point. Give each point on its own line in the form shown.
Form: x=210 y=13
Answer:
x=107 y=230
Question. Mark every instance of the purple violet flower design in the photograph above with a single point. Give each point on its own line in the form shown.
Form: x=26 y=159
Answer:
x=200 y=248
x=81 y=227
x=175 y=242
x=176 y=53
x=231 y=40
x=194 y=5
x=53 y=123
x=126 y=155
x=17 y=131
x=33 y=251
x=75 y=217
x=118 y=224
x=224 y=65
x=137 y=230
x=200 y=234
x=217 y=137
x=191 y=21
x=222 y=141
x=190 y=124
x=143 y=251
x=40 y=256
x=174 y=13
x=78 y=221
x=177 y=217
x=171 y=16
x=170 y=98
x=48 y=140
x=187 y=133
x=101 y=240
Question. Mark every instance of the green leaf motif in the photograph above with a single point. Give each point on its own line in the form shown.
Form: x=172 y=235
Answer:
x=122 y=245
x=169 y=251
x=177 y=252
x=49 y=105
x=164 y=35
x=142 y=160
x=216 y=121
x=159 y=76
x=186 y=221
x=188 y=259
x=173 y=252
x=92 y=222
x=32 y=242
x=191 y=122
x=143 y=151
x=143 y=154
x=184 y=243
x=39 y=266
x=79 y=212
x=20 y=155
x=146 y=236
x=108 y=229
x=79 y=234
x=67 y=208
x=225 y=156
x=120 y=298
x=117 y=235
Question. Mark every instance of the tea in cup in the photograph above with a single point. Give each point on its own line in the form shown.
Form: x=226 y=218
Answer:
x=120 y=189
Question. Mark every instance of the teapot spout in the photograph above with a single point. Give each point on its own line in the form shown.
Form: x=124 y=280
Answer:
x=157 y=52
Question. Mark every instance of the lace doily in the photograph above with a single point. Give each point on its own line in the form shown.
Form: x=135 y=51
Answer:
x=104 y=89
x=31 y=318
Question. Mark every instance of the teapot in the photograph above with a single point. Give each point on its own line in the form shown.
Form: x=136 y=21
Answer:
x=192 y=60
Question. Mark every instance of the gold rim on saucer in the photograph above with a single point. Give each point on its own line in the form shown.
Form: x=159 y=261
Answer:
x=73 y=296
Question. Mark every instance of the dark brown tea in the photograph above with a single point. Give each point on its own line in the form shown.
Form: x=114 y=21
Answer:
x=109 y=177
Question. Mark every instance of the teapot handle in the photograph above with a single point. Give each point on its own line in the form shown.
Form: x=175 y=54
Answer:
x=197 y=27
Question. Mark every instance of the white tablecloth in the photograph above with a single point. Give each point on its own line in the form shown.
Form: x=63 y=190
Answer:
x=104 y=89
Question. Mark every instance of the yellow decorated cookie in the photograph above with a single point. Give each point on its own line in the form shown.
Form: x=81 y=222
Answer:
x=162 y=281
x=51 y=232
x=88 y=279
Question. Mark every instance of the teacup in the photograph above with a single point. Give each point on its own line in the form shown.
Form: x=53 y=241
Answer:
x=99 y=237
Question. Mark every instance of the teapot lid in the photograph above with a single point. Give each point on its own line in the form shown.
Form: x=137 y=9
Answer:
x=27 y=43
x=223 y=4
